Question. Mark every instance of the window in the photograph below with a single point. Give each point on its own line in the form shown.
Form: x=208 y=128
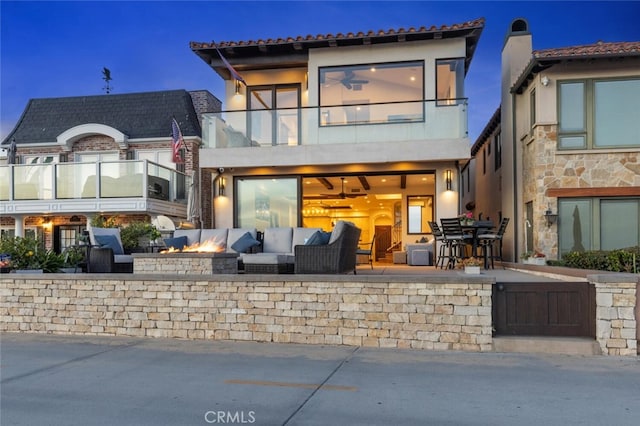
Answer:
x=598 y=223
x=266 y=202
x=371 y=93
x=420 y=212
x=484 y=161
x=596 y=114
x=497 y=141
x=532 y=111
x=450 y=81
x=274 y=117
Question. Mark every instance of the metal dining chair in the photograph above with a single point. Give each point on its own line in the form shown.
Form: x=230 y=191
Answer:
x=489 y=241
x=367 y=251
x=441 y=241
x=456 y=239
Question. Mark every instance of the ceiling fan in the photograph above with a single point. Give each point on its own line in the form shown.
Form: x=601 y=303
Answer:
x=350 y=79
x=340 y=196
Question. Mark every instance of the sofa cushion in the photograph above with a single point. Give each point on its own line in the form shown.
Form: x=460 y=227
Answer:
x=244 y=243
x=193 y=235
x=176 y=242
x=338 y=229
x=277 y=240
x=111 y=242
x=122 y=258
x=301 y=235
x=215 y=236
x=319 y=238
x=235 y=233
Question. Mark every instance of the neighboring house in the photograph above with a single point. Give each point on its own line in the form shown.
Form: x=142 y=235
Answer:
x=481 y=187
x=111 y=154
x=359 y=126
x=570 y=146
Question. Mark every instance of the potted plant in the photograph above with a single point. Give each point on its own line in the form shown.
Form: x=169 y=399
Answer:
x=466 y=219
x=471 y=265
x=138 y=234
x=534 y=258
x=73 y=257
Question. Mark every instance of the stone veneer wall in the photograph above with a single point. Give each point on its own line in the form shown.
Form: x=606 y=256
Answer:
x=545 y=167
x=447 y=314
x=616 y=321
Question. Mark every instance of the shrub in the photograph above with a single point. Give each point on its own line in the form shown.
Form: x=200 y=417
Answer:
x=28 y=253
x=132 y=232
x=620 y=260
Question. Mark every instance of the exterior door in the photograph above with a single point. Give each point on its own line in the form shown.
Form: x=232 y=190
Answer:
x=544 y=309
x=383 y=240
x=274 y=114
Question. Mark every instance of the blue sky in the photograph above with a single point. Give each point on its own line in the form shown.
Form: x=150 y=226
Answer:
x=57 y=49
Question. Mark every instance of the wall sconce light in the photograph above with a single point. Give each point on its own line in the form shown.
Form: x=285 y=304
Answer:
x=550 y=218
x=46 y=223
x=448 y=179
x=221 y=187
x=545 y=80
x=237 y=87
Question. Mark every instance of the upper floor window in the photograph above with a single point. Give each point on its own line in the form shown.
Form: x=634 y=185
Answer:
x=532 y=111
x=372 y=93
x=497 y=140
x=598 y=114
x=450 y=81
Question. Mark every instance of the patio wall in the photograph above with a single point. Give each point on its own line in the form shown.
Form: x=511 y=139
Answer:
x=447 y=314
x=450 y=312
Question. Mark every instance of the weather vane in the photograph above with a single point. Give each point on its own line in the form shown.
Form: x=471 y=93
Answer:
x=106 y=76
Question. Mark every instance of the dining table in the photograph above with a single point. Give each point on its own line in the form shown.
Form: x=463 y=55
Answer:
x=475 y=229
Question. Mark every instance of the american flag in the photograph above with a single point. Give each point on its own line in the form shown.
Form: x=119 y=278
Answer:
x=178 y=142
x=232 y=70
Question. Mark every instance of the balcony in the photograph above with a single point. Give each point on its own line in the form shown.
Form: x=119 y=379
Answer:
x=109 y=186
x=353 y=124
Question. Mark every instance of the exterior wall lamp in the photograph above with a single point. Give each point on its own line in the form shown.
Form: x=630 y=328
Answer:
x=221 y=186
x=237 y=83
x=550 y=218
x=448 y=179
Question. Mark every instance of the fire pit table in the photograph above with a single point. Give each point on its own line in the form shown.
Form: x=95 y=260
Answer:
x=185 y=263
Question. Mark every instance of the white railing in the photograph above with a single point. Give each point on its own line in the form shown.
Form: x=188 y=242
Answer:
x=335 y=124
x=105 y=179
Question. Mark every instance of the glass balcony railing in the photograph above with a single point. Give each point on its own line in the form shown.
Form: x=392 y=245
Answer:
x=335 y=124
x=107 y=179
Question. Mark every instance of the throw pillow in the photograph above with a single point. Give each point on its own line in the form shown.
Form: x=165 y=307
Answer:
x=111 y=242
x=318 y=238
x=176 y=242
x=244 y=243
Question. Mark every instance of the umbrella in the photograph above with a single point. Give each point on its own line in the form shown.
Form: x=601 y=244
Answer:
x=577 y=231
x=193 y=200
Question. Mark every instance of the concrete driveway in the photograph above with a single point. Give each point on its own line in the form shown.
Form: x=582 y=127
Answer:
x=64 y=380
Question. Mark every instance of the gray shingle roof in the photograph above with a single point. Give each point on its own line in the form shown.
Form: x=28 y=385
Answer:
x=137 y=115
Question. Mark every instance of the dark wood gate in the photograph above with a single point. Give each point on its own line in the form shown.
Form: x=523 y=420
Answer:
x=383 y=240
x=544 y=309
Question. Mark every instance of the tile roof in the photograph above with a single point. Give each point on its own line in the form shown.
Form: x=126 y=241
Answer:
x=542 y=59
x=138 y=115
x=591 y=50
x=344 y=36
x=286 y=52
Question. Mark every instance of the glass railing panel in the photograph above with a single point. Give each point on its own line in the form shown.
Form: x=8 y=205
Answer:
x=358 y=123
x=121 y=179
x=33 y=182
x=76 y=180
x=5 y=182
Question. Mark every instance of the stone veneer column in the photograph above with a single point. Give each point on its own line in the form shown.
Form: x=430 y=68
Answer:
x=616 y=322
